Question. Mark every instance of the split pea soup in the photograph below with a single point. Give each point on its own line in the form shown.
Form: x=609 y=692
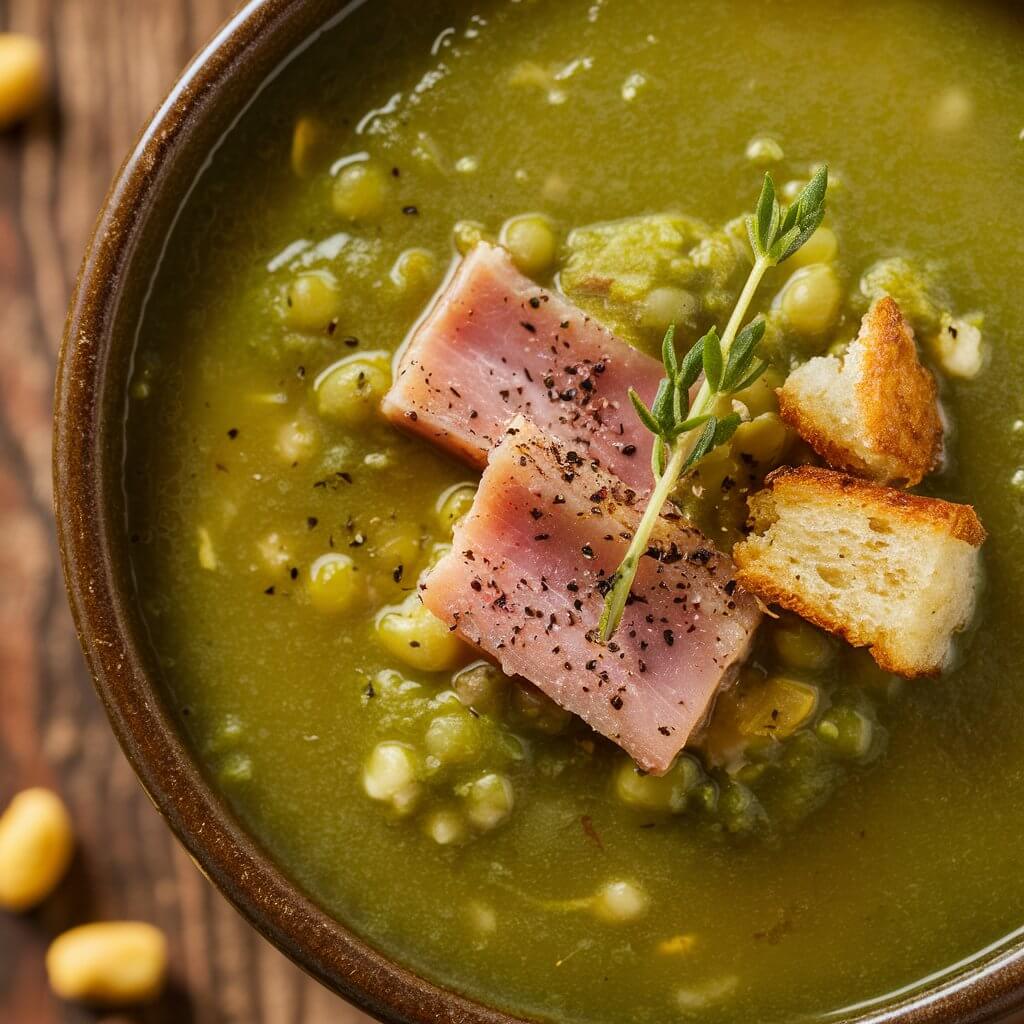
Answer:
x=457 y=819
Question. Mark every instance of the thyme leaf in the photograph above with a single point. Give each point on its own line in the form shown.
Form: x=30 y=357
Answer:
x=685 y=432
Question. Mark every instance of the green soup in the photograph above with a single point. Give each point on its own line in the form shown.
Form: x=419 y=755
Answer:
x=458 y=820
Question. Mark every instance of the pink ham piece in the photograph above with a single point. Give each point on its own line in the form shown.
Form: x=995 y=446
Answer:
x=524 y=582
x=495 y=344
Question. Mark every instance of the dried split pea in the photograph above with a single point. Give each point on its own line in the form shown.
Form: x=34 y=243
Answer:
x=114 y=963
x=36 y=843
x=22 y=77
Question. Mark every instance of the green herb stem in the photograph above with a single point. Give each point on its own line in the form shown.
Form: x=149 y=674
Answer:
x=618 y=595
x=685 y=432
x=705 y=400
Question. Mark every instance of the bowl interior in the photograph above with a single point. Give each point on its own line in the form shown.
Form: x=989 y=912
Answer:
x=89 y=450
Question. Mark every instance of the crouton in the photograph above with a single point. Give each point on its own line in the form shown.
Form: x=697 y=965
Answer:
x=873 y=412
x=879 y=567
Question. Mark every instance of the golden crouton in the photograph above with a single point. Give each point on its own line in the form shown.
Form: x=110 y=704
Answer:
x=879 y=567
x=874 y=412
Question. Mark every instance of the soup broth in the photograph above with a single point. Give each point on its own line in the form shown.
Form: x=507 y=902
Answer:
x=278 y=525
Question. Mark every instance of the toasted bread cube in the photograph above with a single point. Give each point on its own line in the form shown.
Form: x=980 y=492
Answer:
x=879 y=567
x=873 y=412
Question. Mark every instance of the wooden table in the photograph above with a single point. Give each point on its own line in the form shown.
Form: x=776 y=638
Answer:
x=112 y=62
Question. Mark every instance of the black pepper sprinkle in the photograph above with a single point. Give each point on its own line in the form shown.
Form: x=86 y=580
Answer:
x=269 y=591
x=669 y=637
x=396 y=575
x=535 y=302
x=587 y=550
x=294 y=573
x=311 y=522
x=527 y=326
x=233 y=433
x=616 y=702
x=629 y=449
x=410 y=211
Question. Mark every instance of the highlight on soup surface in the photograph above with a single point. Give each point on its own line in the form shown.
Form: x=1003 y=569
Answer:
x=573 y=472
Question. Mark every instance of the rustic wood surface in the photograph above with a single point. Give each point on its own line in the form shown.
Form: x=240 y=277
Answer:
x=112 y=61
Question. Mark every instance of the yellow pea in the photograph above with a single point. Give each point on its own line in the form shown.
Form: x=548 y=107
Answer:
x=811 y=299
x=312 y=301
x=415 y=271
x=468 y=233
x=308 y=137
x=360 y=192
x=821 y=247
x=489 y=801
x=36 y=844
x=762 y=442
x=619 y=902
x=668 y=305
x=801 y=646
x=350 y=391
x=420 y=638
x=333 y=583
x=453 y=504
x=115 y=963
x=390 y=775
x=531 y=242
x=22 y=77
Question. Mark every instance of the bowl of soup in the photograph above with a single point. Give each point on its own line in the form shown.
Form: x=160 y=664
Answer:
x=366 y=282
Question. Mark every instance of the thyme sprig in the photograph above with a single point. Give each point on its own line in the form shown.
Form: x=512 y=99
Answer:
x=685 y=433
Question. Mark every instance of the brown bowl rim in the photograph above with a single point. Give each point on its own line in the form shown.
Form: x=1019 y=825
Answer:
x=224 y=852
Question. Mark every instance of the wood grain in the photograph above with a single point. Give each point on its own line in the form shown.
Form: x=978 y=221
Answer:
x=112 y=61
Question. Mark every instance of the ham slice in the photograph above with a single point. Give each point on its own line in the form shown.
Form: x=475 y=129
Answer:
x=494 y=345
x=525 y=578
